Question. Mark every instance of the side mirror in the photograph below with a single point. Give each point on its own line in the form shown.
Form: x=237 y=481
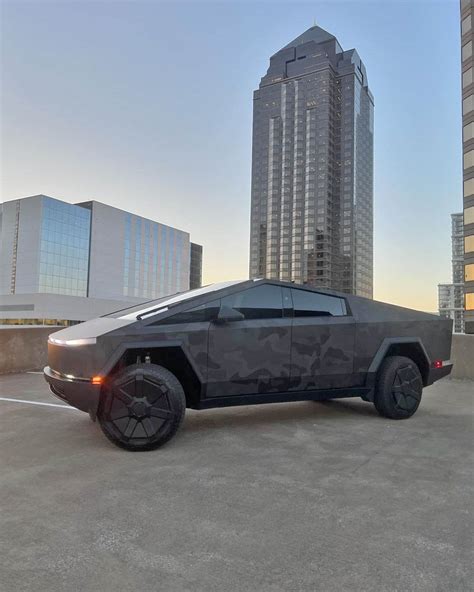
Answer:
x=227 y=314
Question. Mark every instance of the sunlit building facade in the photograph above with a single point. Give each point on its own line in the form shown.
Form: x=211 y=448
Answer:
x=312 y=167
x=64 y=249
x=89 y=250
x=467 y=63
x=44 y=247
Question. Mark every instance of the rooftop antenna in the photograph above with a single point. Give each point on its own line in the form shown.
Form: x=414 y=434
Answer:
x=314 y=21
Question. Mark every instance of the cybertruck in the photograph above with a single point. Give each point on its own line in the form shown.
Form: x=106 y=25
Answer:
x=241 y=343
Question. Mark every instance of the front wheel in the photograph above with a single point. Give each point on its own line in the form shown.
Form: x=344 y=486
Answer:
x=142 y=407
x=398 y=388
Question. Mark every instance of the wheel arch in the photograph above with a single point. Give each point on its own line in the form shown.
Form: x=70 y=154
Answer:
x=171 y=355
x=409 y=347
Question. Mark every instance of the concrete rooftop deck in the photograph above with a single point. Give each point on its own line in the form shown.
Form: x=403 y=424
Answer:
x=290 y=497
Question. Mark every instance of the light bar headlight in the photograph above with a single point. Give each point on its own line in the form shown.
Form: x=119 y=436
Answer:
x=73 y=342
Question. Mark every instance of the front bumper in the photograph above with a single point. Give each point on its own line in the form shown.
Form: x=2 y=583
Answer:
x=78 y=392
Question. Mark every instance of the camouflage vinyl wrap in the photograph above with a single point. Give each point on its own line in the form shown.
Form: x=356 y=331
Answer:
x=260 y=356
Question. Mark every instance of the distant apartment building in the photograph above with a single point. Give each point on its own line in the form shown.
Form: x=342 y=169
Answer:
x=92 y=257
x=312 y=167
x=467 y=63
x=451 y=296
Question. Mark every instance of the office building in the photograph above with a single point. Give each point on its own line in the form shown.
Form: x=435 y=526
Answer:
x=451 y=296
x=91 y=256
x=467 y=40
x=195 y=273
x=312 y=167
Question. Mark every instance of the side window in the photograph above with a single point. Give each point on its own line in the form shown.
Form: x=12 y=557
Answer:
x=312 y=304
x=197 y=314
x=261 y=302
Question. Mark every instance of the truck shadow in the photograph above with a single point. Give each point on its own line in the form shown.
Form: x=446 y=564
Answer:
x=254 y=415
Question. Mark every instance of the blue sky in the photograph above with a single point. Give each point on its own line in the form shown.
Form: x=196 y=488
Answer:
x=147 y=106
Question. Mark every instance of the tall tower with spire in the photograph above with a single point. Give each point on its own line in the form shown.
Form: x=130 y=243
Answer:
x=312 y=167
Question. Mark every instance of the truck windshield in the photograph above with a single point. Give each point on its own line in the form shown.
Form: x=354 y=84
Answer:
x=144 y=308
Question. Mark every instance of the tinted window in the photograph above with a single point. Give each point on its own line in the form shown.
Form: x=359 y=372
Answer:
x=148 y=308
x=311 y=304
x=262 y=302
x=197 y=314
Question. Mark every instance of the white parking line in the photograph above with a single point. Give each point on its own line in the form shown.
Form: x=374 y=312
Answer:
x=37 y=403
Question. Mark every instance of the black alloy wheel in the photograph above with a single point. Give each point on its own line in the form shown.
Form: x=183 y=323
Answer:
x=398 y=388
x=142 y=407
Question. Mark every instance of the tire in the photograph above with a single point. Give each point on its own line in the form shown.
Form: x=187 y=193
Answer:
x=142 y=407
x=398 y=388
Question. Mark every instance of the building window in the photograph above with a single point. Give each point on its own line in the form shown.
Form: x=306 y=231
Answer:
x=468 y=187
x=469 y=215
x=468 y=132
x=466 y=51
x=468 y=104
x=469 y=159
x=467 y=78
x=469 y=244
x=469 y=273
x=469 y=304
x=466 y=25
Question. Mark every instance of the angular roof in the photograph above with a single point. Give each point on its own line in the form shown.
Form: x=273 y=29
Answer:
x=312 y=34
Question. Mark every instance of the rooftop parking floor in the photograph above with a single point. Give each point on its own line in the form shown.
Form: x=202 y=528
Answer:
x=288 y=497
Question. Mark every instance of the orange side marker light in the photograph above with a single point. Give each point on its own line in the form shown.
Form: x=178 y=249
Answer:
x=96 y=380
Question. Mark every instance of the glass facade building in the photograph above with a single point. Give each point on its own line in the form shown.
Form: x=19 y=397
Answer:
x=90 y=250
x=312 y=167
x=64 y=248
x=195 y=275
x=467 y=64
x=155 y=257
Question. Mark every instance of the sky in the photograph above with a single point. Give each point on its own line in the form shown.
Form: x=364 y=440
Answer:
x=147 y=106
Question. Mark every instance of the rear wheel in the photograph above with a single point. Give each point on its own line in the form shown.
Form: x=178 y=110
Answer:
x=142 y=407
x=398 y=388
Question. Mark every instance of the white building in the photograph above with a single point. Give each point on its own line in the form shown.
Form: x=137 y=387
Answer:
x=93 y=257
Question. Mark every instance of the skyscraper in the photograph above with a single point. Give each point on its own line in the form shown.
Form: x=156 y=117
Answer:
x=451 y=296
x=467 y=40
x=312 y=167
